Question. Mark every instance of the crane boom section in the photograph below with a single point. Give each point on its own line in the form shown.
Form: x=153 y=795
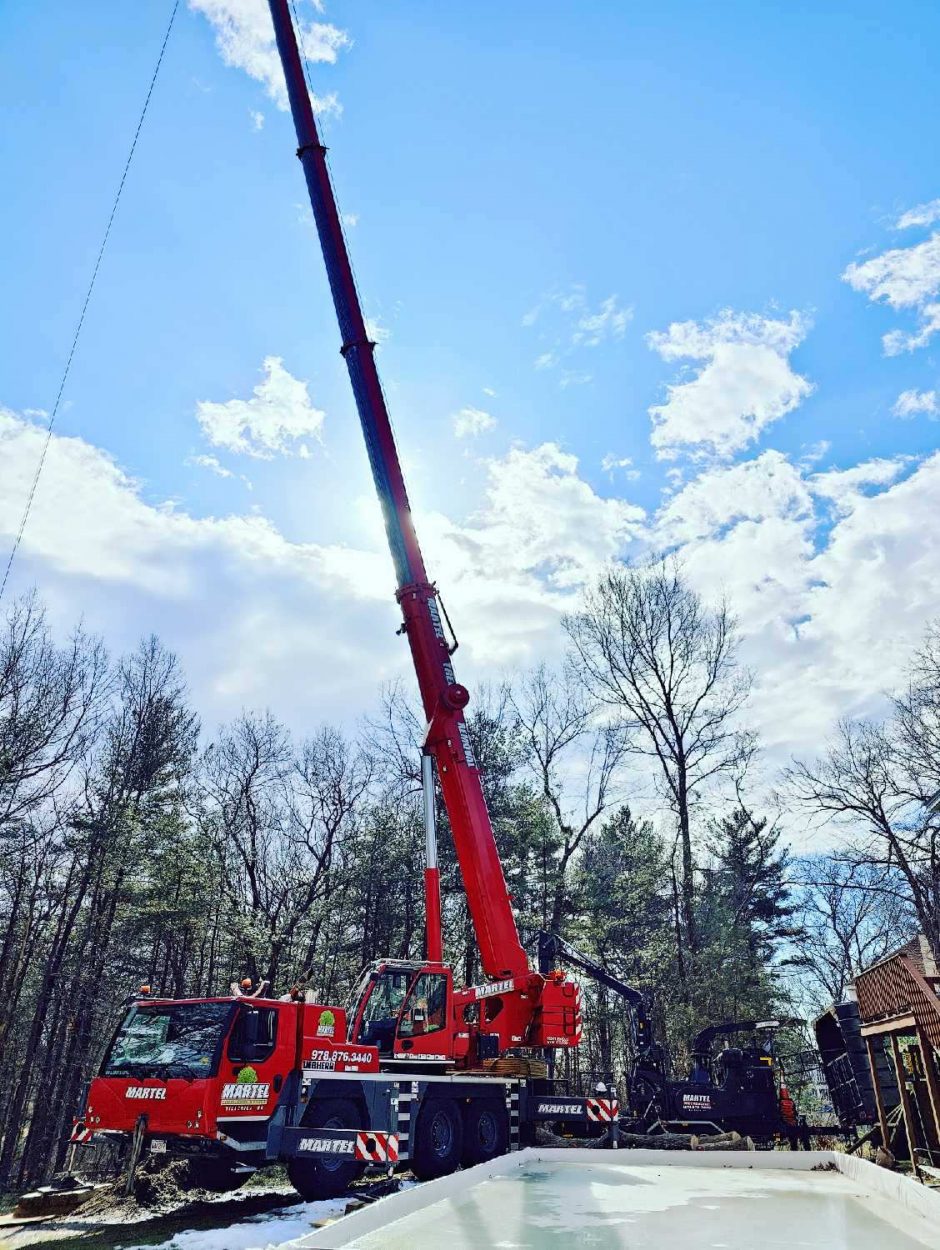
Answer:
x=501 y=952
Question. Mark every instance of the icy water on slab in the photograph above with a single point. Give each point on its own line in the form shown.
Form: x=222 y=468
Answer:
x=606 y=1207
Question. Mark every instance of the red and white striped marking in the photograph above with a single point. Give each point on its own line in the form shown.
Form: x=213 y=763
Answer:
x=81 y=1133
x=377 y=1147
x=604 y=1110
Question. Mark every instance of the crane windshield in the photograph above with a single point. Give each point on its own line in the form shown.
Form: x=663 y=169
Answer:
x=378 y=1002
x=169 y=1039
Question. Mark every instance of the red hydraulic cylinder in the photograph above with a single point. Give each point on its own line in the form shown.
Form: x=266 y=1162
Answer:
x=433 y=935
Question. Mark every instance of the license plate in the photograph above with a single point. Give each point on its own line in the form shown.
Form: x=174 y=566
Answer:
x=158 y=1147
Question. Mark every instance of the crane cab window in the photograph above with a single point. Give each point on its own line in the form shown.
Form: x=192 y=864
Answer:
x=386 y=993
x=425 y=1009
x=254 y=1034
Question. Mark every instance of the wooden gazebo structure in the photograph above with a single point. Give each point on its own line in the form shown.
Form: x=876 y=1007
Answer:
x=899 y=1007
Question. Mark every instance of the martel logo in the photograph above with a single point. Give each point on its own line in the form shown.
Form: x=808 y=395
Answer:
x=328 y=1145
x=560 y=1108
x=242 y=1094
x=494 y=987
x=146 y=1091
x=696 y=1102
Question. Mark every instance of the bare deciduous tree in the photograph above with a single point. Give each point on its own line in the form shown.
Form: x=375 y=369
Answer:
x=852 y=915
x=652 y=652
x=865 y=783
x=575 y=757
x=277 y=817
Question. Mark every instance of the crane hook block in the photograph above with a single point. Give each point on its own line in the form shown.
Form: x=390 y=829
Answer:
x=456 y=697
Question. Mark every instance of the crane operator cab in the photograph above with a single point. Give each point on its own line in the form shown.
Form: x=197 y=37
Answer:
x=404 y=1009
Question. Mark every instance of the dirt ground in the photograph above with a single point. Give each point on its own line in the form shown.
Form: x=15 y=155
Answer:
x=159 y=1210
x=267 y=1210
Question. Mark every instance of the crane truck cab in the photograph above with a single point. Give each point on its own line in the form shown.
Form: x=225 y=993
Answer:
x=405 y=1009
x=200 y=1078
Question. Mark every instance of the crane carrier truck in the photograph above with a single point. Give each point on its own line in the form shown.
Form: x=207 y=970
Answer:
x=419 y=1070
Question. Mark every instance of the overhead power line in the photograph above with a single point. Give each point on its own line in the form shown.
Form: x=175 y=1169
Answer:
x=81 y=319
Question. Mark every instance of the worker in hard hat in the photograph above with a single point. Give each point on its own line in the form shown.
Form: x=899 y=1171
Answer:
x=245 y=988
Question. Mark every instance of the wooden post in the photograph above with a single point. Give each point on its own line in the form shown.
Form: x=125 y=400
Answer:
x=910 y=1126
x=933 y=1081
x=879 y=1100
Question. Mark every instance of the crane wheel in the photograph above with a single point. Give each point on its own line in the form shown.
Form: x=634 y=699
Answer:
x=329 y=1175
x=438 y=1140
x=485 y=1132
x=218 y=1176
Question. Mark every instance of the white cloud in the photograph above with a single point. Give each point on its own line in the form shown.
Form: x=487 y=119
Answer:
x=573 y=377
x=921 y=215
x=247 y=609
x=512 y=570
x=350 y=220
x=910 y=403
x=244 y=37
x=574 y=327
x=271 y=423
x=874 y=586
x=830 y=600
x=902 y=278
x=745 y=383
x=833 y=576
x=377 y=331
x=624 y=464
x=769 y=487
x=257 y=119
x=844 y=487
x=213 y=464
x=814 y=452
x=897 y=341
x=469 y=422
x=609 y=322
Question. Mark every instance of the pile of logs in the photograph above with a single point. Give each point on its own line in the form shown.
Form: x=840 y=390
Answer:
x=649 y=1141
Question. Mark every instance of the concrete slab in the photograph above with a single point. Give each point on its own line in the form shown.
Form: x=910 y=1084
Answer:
x=647 y=1200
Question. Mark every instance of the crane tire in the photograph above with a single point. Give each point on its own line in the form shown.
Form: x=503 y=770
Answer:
x=485 y=1131
x=216 y=1176
x=438 y=1140
x=326 y=1176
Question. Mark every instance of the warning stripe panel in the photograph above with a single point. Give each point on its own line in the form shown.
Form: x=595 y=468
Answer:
x=377 y=1147
x=604 y=1110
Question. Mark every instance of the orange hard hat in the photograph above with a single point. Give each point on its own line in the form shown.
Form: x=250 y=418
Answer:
x=246 y=983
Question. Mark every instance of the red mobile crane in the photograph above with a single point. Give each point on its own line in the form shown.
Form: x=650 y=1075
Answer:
x=233 y=1083
x=536 y=1010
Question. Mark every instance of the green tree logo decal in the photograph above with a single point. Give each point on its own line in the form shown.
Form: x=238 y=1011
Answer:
x=247 y=1076
x=327 y=1017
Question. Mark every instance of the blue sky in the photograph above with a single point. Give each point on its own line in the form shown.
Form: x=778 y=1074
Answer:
x=557 y=212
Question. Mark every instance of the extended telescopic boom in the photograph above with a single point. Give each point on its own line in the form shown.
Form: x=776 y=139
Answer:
x=444 y=699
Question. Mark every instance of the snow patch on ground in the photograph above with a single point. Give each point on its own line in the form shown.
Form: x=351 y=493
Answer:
x=256 y=1232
